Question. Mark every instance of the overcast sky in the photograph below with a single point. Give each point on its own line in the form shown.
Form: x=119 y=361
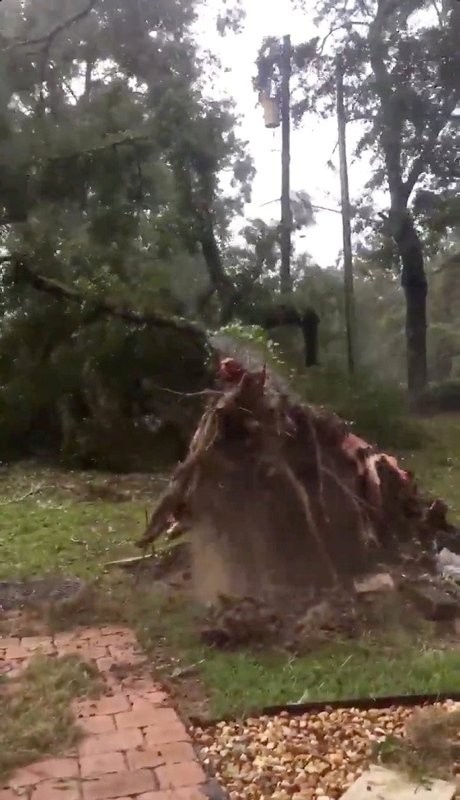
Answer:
x=312 y=145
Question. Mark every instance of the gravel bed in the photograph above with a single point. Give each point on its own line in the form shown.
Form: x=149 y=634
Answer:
x=316 y=756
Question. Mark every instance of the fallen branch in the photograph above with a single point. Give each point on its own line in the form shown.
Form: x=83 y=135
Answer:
x=126 y=563
x=48 y=38
x=106 y=307
x=34 y=490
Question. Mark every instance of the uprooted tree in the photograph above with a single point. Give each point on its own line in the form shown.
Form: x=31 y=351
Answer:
x=283 y=501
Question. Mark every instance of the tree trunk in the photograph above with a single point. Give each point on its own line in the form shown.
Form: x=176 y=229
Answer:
x=415 y=288
x=286 y=211
x=346 y=221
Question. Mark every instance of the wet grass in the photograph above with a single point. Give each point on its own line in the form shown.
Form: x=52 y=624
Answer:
x=395 y=661
x=36 y=714
x=437 y=463
x=55 y=522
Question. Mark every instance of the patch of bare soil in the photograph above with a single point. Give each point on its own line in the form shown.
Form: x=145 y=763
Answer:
x=41 y=591
x=85 y=486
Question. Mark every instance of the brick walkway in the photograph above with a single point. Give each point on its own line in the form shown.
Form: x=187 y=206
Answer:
x=135 y=744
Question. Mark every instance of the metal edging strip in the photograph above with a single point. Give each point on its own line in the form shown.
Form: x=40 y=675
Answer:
x=361 y=704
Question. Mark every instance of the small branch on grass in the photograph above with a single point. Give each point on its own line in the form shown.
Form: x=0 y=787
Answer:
x=32 y=491
x=126 y=563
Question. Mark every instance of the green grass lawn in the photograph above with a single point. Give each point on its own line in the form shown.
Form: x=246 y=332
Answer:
x=51 y=523
x=437 y=463
x=54 y=522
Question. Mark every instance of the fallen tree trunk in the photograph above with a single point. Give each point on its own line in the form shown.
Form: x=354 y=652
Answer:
x=282 y=500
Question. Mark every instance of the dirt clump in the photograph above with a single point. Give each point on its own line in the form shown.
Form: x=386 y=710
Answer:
x=233 y=622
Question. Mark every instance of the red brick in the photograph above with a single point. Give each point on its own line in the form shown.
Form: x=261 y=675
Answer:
x=156 y=696
x=112 y=705
x=100 y=724
x=64 y=638
x=177 y=752
x=84 y=650
x=89 y=633
x=174 y=776
x=34 y=642
x=156 y=756
x=106 y=705
x=16 y=672
x=111 y=742
x=102 y=764
x=111 y=682
x=191 y=793
x=148 y=757
x=127 y=656
x=8 y=641
x=155 y=715
x=164 y=734
x=55 y=790
x=84 y=708
x=104 y=664
x=108 y=630
x=120 y=785
x=94 y=653
x=16 y=651
x=148 y=700
x=137 y=685
x=45 y=770
x=118 y=640
x=157 y=796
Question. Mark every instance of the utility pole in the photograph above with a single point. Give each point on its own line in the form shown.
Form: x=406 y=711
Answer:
x=346 y=221
x=286 y=211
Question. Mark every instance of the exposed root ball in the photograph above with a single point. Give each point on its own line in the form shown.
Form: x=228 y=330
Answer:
x=283 y=501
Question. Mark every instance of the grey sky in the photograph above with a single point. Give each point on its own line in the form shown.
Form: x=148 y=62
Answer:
x=312 y=145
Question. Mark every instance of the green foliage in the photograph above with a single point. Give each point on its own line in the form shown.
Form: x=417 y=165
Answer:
x=398 y=62
x=376 y=409
x=441 y=397
x=437 y=464
x=109 y=152
x=111 y=159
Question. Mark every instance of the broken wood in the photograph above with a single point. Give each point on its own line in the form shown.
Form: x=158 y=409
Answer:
x=126 y=563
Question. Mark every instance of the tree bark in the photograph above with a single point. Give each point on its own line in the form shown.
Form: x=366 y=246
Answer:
x=286 y=211
x=415 y=288
x=349 y=296
x=403 y=230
